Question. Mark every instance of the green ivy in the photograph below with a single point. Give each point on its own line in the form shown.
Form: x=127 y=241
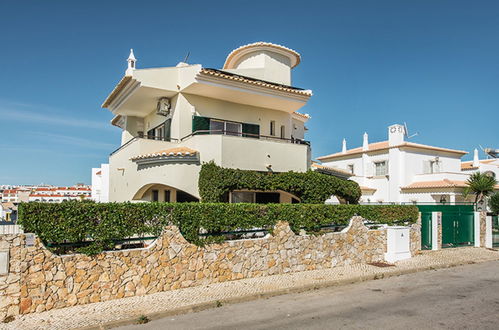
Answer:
x=311 y=187
x=103 y=223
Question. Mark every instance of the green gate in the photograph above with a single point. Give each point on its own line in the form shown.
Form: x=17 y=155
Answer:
x=457 y=224
x=495 y=231
x=426 y=231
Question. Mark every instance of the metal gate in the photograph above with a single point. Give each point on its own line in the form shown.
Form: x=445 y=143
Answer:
x=457 y=225
x=457 y=228
x=426 y=231
x=495 y=231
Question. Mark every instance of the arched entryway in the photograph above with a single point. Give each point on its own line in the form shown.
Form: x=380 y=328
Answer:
x=156 y=192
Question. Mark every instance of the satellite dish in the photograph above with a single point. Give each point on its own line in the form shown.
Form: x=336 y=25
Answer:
x=406 y=132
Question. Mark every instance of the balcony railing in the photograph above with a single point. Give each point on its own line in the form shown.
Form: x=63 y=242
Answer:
x=213 y=132
x=247 y=135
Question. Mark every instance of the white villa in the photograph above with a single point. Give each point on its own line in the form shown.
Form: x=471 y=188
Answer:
x=100 y=184
x=399 y=171
x=175 y=118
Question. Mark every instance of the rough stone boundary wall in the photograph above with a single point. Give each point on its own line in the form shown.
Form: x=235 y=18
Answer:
x=415 y=239
x=39 y=280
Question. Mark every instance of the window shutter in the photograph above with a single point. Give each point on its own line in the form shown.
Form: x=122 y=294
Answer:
x=251 y=130
x=200 y=124
x=426 y=167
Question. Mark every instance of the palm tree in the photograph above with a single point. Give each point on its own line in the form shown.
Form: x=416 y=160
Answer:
x=481 y=185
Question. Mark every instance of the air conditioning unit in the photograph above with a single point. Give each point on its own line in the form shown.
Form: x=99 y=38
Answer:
x=164 y=106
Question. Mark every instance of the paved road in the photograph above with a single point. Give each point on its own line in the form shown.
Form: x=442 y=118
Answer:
x=465 y=297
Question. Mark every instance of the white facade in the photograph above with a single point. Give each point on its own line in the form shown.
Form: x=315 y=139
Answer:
x=100 y=184
x=175 y=118
x=59 y=194
x=397 y=171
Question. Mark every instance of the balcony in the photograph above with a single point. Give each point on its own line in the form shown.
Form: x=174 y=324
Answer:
x=228 y=149
x=247 y=135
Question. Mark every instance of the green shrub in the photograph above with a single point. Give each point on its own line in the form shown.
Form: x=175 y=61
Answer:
x=311 y=187
x=494 y=203
x=104 y=223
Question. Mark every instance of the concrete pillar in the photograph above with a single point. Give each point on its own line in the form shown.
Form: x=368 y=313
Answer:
x=488 y=232
x=436 y=230
x=477 y=228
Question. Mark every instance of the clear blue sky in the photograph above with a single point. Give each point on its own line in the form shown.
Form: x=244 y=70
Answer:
x=433 y=64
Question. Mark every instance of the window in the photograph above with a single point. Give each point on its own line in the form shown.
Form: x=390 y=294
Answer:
x=283 y=132
x=167 y=196
x=155 y=195
x=431 y=166
x=381 y=168
x=160 y=132
x=232 y=128
x=243 y=197
x=225 y=127
x=205 y=125
x=267 y=197
x=183 y=197
x=272 y=128
x=255 y=197
x=435 y=166
x=216 y=126
x=351 y=168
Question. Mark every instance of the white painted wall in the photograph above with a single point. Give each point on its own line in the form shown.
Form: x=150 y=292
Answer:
x=406 y=165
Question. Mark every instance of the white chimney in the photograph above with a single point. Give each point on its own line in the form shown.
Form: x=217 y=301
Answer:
x=365 y=144
x=476 y=161
x=396 y=134
x=344 y=147
x=132 y=61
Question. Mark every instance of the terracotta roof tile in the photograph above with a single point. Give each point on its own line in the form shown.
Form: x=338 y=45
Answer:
x=302 y=115
x=445 y=183
x=116 y=91
x=253 y=81
x=179 y=151
x=468 y=165
x=383 y=145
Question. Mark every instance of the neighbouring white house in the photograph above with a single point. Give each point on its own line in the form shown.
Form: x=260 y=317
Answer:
x=100 y=184
x=175 y=118
x=399 y=171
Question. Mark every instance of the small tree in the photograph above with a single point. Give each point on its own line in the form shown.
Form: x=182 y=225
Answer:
x=481 y=185
x=494 y=203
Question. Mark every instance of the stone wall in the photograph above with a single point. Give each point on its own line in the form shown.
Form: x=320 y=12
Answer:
x=40 y=280
x=415 y=239
x=483 y=228
x=10 y=289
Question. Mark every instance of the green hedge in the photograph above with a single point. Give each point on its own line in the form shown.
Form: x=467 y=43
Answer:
x=103 y=223
x=311 y=187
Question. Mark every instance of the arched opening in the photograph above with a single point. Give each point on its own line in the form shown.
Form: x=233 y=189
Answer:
x=261 y=197
x=156 y=192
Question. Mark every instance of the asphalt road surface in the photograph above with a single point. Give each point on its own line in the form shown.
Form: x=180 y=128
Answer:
x=465 y=297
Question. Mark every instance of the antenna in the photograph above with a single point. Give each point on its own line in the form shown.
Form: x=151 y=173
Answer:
x=186 y=57
x=406 y=132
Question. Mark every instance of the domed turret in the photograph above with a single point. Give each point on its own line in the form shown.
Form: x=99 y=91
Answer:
x=263 y=60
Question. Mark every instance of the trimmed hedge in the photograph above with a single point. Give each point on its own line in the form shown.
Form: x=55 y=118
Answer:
x=311 y=187
x=103 y=223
